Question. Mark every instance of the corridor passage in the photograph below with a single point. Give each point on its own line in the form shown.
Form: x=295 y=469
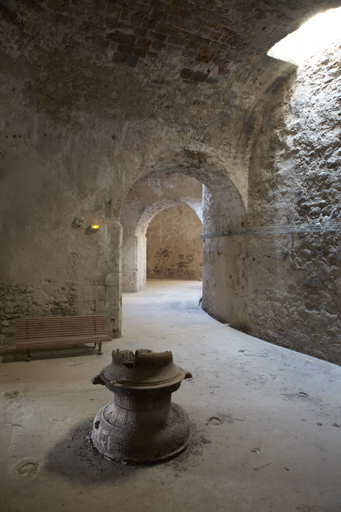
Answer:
x=266 y=421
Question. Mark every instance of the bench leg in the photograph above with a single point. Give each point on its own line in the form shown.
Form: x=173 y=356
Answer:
x=100 y=348
x=28 y=354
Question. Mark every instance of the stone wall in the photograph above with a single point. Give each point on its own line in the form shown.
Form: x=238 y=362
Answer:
x=174 y=247
x=295 y=186
x=17 y=301
x=281 y=266
x=48 y=265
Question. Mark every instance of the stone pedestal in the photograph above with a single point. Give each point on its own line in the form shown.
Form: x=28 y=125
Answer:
x=141 y=424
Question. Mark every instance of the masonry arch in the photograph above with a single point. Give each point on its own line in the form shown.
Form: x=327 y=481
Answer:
x=220 y=207
x=154 y=209
x=228 y=194
x=167 y=253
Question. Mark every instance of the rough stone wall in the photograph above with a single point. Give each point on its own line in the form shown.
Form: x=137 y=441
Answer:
x=281 y=266
x=174 y=247
x=295 y=187
x=18 y=301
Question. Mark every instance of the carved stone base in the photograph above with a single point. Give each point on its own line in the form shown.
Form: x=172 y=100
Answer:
x=141 y=424
x=121 y=435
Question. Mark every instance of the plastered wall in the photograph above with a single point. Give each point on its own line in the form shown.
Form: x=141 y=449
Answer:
x=49 y=266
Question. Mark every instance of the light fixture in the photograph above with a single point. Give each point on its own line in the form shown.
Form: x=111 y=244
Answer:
x=79 y=221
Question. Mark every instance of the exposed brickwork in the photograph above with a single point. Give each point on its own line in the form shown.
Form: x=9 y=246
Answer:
x=121 y=33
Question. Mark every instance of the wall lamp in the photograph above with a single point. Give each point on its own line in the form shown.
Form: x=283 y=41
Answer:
x=80 y=223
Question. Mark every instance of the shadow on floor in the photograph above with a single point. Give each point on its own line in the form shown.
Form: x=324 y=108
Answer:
x=75 y=458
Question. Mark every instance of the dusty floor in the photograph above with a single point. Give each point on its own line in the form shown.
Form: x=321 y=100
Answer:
x=266 y=422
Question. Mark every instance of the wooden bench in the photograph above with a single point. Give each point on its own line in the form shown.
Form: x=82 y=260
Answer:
x=53 y=332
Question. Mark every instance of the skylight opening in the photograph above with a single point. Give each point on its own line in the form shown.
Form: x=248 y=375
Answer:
x=314 y=36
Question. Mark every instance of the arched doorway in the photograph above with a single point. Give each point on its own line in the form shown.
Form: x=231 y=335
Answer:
x=220 y=206
x=147 y=198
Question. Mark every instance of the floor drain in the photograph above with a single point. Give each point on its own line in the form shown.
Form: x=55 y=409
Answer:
x=27 y=468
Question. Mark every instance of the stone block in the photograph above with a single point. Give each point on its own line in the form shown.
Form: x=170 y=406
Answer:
x=119 y=57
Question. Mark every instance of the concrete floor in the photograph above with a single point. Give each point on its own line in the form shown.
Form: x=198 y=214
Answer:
x=266 y=422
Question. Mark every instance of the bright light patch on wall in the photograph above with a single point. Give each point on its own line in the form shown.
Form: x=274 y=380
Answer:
x=315 y=35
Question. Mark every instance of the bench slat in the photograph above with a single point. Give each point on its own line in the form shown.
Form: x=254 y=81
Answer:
x=47 y=334
x=65 y=320
x=63 y=339
x=71 y=340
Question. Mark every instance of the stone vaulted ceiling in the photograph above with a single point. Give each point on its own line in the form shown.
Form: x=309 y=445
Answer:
x=94 y=54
